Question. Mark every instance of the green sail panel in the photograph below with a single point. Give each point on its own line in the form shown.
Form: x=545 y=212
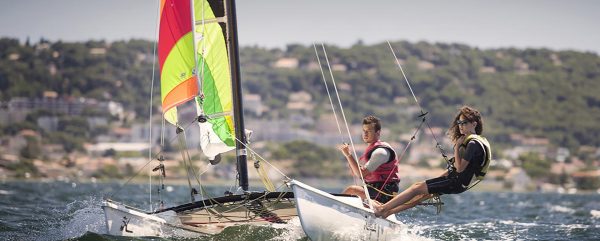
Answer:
x=215 y=77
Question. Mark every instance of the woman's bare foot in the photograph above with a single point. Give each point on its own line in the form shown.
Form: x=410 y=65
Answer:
x=377 y=209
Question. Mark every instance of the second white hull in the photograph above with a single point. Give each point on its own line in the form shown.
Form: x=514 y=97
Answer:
x=327 y=217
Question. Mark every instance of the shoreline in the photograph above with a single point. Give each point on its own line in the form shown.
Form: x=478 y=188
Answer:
x=322 y=183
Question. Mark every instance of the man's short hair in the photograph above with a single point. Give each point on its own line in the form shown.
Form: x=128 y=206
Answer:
x=372 y=120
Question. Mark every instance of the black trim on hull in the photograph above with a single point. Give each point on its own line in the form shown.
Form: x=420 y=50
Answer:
x=228 y=199
x=233 y=198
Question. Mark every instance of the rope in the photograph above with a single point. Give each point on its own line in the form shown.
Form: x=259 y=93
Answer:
x=262 y=159
x=408 y=83
x=348 y=130
x=438 y=145
x=151 y=95
x=404 y=151
x=183 y=146
x=328 y=94
x=262 y=173
x=379 y=191
x=264 y=177
x=155 y=157
x=332 y=107
x=110 y=195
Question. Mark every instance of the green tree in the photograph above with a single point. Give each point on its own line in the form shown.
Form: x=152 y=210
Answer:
x=311 y=160
x=534 y=165
x=32 y=149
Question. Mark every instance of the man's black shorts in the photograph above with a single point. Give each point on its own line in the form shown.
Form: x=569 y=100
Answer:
x=444 y=185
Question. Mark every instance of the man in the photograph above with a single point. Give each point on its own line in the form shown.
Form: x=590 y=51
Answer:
x=378 y=164
x=472 y=155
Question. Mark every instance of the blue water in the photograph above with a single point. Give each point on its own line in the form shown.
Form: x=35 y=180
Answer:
x=71 y=211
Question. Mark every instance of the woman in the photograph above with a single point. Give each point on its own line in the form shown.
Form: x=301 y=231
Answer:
x=471 y=159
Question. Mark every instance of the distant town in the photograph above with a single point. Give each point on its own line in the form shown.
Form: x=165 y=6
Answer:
x=123 y=149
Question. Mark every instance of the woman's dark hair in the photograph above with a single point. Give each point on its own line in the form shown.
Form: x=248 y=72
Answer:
x=470 y=114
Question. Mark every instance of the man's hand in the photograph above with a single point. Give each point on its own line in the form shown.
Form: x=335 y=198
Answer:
x=345 y=149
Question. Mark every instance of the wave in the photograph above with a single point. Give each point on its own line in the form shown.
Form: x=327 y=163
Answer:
x=561 y=209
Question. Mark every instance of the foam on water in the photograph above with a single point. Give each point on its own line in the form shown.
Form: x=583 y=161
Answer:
x=513 y=223
x=409 y=232
x=5 y=192
x=75 y=220
x=292 y=230
x=561 y=209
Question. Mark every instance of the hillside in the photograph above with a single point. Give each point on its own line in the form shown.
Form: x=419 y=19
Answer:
x=534 y=92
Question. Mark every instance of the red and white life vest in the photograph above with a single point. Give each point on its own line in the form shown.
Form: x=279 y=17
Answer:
x=385 y=172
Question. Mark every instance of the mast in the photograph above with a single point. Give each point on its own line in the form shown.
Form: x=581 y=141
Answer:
x=238 y=110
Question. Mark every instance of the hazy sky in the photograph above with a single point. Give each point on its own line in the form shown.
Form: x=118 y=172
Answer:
x=554 y=24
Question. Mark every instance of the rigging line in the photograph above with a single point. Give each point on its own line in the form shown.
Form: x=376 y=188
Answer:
x=347 y=129
x=259 y=156
x=152 y=94
x=162 y=131
x=405 y=78
x=403 y=152
x=189 y=160
x=129 y=180
x=233 y=206
x=208 y=167
x=149 y=161
x=332 y=106
x=242 y=203
x=328 y=93
x=198 y=179
x=202 y=190
x=150 y=189
x=438 y=145
x=183 y=147
x=173 y=139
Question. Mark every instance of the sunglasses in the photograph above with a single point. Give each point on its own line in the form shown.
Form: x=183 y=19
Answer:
x=462 y=122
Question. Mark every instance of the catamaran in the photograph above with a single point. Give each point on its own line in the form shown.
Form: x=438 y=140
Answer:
x=198 y=59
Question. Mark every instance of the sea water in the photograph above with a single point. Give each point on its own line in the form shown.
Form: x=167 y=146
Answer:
x=68 y=210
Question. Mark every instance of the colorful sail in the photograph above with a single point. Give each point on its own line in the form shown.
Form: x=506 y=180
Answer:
x=176 y=57
x=216 y=102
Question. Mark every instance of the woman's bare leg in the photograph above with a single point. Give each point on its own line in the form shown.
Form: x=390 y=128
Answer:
x=399 y=202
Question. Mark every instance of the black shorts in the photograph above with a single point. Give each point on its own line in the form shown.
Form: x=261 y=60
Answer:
x=444 y=185
x=390 y=188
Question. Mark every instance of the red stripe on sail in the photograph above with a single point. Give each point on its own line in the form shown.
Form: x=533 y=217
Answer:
x=175 y=21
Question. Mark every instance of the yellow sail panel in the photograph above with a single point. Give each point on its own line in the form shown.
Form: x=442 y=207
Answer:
x=215 y=75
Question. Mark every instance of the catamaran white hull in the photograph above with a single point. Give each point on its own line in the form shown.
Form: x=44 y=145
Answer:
x=327 y=217
x=126 y=221
x=209 y=216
